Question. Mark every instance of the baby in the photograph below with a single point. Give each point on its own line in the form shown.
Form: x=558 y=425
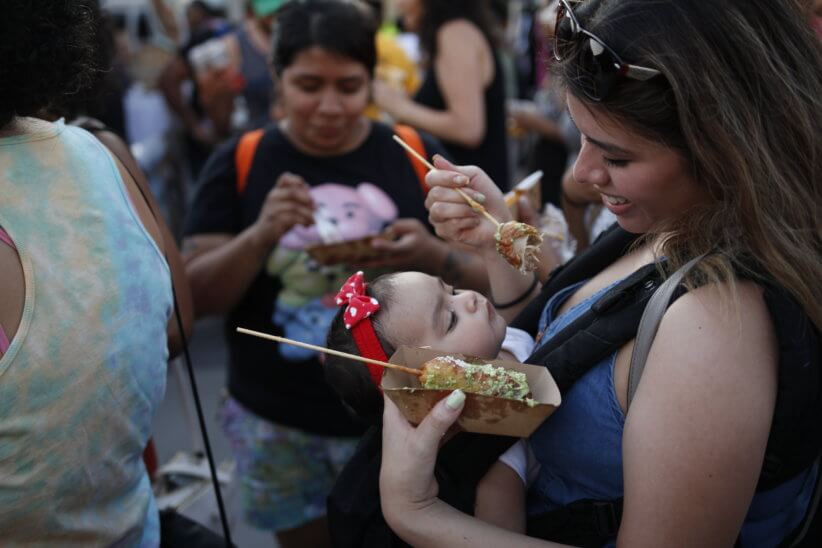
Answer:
x=418 y=310
x=415 y=309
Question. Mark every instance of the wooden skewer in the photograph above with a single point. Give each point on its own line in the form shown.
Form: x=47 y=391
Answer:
x=475 y=205
x=324 y=350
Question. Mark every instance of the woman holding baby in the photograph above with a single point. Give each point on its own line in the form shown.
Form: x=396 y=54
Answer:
x=700 y=131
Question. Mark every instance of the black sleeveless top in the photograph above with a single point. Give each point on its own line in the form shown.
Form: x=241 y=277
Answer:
x=492 y=153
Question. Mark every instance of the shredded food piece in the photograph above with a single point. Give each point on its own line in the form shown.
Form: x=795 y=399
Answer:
x=519 y=244
x=450 y=373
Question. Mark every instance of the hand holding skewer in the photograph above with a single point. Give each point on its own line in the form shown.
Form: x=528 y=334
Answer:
x=517 y=242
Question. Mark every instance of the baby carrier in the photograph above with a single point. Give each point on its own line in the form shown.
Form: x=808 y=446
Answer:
x=793 y=445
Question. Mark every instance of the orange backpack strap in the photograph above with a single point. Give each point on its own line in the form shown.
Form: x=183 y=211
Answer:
x=412 y=137
x=244 y=155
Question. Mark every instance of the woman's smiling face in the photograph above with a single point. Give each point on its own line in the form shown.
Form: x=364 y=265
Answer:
x=324 y=95
x=427 y=312
x=641 y=182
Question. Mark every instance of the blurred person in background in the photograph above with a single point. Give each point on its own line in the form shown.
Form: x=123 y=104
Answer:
x=206 y=21
x=394 y=66
x=233 y=74
x=86 y=311
x=322 y=173
x=462 y=97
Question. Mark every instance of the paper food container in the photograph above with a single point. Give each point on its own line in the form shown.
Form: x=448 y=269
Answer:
x=530 y=187
x=350 y=251
x=482 y=414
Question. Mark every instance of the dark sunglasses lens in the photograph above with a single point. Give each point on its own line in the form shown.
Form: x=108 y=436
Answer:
x=600 y=70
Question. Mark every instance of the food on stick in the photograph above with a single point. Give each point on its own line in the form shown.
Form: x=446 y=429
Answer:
x=519 y=244
x=451 y=373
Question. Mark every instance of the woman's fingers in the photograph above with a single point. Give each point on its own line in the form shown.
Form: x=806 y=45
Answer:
x=445 y=194
x=468 y=171
x=446 y=178
x=415 y=449
x=454 y=230
x=291 y=187
x=439 y=420
x=441 y=212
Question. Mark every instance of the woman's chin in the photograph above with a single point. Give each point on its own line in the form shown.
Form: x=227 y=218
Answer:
x=634 y=226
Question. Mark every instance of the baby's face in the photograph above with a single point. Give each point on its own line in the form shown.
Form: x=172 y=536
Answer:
x=426 y=312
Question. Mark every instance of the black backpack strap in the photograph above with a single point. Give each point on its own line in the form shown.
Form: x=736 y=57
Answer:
x=611 y=322
x=582 y=523
x=795 y=439
x=611 y=245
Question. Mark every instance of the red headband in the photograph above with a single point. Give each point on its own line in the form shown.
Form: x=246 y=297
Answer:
x=357 y=320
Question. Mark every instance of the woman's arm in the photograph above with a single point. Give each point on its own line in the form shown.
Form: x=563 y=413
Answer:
x=464 y=67
x=408 y=490
x=695 y=436
x=415 y=248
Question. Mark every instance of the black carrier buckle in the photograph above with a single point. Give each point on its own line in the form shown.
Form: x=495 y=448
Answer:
x=605 y=518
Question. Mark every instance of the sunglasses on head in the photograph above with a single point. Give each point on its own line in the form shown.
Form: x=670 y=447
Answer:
x=601 y=68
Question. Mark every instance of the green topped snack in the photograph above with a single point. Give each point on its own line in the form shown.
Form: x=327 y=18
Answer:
x=450 y=373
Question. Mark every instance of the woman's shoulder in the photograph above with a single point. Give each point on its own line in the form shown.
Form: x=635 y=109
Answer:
x=460 y=33
x=721 y=331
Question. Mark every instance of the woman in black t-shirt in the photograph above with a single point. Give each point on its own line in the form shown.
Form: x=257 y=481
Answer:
x=323 y=172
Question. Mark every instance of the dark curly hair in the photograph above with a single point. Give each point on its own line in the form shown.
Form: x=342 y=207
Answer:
x=436 y=13
x=49 y=54
x=350 y=379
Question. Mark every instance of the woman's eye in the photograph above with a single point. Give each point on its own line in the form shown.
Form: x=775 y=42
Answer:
x=350 y=89
x=309 y=87
x=614 y=162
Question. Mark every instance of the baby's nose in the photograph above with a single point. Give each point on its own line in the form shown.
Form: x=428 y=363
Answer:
x=471 y=301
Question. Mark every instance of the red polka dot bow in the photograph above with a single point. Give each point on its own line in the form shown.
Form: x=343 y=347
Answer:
x=360 y=306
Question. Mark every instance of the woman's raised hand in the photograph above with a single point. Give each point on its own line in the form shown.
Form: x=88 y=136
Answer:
x=409 y=454
x=288 y=204
x=452 y=218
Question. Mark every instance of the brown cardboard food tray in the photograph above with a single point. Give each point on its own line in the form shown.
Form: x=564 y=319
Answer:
x=530 y=187
x=350 y=251
x=482 y=414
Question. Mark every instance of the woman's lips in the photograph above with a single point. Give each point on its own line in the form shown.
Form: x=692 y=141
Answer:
x=329 y=132
x=616 y=204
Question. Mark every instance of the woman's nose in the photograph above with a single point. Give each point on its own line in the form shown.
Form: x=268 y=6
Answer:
x=329 y=103
x=588 y=168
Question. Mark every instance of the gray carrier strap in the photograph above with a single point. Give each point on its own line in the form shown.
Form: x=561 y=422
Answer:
x=649 y=323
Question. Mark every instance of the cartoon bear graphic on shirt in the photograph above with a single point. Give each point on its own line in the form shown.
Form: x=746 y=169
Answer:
x=305 y=305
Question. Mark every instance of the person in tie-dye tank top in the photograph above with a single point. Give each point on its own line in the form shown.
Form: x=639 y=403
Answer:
x=85 y=301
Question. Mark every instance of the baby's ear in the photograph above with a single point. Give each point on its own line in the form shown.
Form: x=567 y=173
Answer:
x=355 y=388
x=380 y=204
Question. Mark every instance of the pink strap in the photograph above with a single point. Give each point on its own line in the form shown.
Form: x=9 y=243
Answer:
x=5 y=238
x=4 y=342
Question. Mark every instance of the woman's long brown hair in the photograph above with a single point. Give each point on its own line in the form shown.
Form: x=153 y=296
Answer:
x=741 y=99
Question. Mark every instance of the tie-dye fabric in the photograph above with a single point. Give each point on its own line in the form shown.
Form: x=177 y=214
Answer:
x=86 y=369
